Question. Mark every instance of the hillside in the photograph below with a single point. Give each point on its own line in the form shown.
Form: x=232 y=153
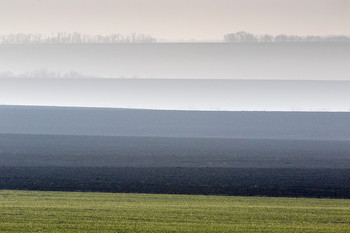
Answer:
x=308 y=61
x=157 y=123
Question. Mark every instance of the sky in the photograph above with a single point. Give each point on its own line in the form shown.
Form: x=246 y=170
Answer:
x=176 y=19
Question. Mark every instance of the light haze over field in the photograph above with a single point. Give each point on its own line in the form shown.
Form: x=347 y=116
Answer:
x=176 y=19
x=284 y=76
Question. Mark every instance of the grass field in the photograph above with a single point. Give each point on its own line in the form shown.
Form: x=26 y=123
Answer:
x=36 y=211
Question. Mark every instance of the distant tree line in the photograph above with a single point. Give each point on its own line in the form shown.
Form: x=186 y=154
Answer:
x=249 y=37
x=79 y=38
x=43 y=73
x=75 y=38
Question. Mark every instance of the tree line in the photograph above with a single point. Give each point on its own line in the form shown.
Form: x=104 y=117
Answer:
x=243 y=36
x=79 y=38
x=75 y=38
x=43 y=73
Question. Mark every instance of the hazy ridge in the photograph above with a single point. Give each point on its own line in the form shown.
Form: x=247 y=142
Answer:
x=166 y=123
x=315 y=61
x=231 y=95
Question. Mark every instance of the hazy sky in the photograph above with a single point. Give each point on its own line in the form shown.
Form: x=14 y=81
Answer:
x=176 y=19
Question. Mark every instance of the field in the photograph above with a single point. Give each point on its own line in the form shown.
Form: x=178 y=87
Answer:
x=33 y=211
x=326 y=183
x=168 y=165
x=165 y=165
x=97 y=151
x=185 y=60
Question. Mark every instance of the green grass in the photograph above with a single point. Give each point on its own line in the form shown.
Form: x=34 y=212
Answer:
x=31 y=211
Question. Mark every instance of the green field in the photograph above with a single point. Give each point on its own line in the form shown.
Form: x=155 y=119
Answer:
x=35 y=211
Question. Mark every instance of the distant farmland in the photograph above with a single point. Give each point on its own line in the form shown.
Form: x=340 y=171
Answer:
x=294 y=154
x=101 y=151
x=330 y=126
x=259 y=167
x=180 y=94
x=300 y=61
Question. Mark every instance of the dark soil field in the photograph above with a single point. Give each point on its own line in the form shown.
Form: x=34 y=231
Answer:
x=326 y=183
x=291 y=154
x=102 y=151
x=248 y=167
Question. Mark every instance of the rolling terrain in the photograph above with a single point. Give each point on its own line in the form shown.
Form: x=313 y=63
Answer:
x=178 y=94
x=298 y=61
x=294 y=154
x=157 y=123
x=102 y=151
